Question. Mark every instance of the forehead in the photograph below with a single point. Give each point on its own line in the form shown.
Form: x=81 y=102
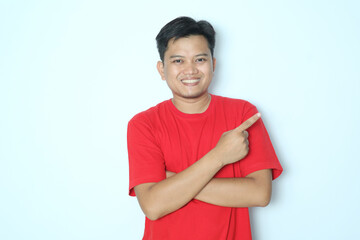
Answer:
x=190 y=45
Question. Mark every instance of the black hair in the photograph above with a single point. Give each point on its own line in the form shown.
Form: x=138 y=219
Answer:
x=184 y=27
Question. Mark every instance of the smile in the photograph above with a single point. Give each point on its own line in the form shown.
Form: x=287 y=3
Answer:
x=190 y=81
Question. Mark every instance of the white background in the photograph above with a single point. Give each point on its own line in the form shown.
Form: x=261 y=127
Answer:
x=72 y=74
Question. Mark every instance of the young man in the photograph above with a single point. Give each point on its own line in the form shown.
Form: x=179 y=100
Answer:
x=198 y=161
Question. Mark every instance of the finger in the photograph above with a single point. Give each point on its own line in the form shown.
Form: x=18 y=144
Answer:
x=248 y=123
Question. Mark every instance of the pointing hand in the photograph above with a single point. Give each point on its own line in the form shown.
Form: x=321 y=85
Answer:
x=234 y=145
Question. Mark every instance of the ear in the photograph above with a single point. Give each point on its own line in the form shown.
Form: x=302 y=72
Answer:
x=214 y=64
x=160 y=68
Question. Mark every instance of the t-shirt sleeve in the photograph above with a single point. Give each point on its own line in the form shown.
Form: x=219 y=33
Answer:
x=261 y=151
x=146 y=161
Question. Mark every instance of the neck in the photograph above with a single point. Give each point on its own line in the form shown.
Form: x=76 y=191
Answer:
x=192 y=105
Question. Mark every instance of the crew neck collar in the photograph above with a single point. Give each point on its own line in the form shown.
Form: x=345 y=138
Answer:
x=193 y=115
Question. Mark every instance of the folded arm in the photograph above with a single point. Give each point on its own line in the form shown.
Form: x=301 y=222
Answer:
x=164 y=197
x=159 y=199
x=254 y=190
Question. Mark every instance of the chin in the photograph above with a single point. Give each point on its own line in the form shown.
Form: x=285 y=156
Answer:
x=193 y=95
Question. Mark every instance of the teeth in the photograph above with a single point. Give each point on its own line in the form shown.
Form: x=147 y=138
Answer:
x=190 y=80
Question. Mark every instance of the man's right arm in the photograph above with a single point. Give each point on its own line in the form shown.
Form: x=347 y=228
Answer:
x=164 y=197
x=159 y=199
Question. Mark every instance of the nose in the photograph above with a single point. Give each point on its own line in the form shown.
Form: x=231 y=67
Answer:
x=190 y=68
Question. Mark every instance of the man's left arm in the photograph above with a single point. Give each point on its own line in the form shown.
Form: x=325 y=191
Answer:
x=254 y=190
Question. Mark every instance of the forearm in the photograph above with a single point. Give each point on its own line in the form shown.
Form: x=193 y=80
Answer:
x=236 y=192
x=162 y=198
x=253 y=190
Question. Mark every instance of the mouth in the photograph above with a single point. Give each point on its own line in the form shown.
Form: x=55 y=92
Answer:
x=190 y=82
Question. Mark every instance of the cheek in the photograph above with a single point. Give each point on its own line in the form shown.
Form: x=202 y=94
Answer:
x=207 y=70
x=170 y=72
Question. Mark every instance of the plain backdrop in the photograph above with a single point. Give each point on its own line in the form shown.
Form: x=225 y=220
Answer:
x=73 y=73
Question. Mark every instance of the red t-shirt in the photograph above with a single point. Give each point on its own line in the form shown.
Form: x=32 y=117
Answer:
x=163 y=138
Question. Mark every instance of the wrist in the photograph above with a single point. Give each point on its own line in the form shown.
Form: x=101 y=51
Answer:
x=216 y=158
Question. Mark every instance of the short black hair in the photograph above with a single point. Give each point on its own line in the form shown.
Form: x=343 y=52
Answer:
x=184 y=27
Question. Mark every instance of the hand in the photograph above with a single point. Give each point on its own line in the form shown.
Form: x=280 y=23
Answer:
x=234 y=145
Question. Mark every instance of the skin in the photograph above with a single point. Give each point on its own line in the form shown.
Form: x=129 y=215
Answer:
x=188 y=59
x=188 y=69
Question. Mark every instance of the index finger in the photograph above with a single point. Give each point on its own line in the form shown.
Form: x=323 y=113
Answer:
x=248 y=123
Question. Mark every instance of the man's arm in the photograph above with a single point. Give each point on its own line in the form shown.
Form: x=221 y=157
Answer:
x=159 y=199
x=254 y=190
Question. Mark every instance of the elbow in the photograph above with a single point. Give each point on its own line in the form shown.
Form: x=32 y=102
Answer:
x=263 y=202
x=149 y=204
x=263 y=199
x=264 y=195
x=152 y=213
x=152 y=216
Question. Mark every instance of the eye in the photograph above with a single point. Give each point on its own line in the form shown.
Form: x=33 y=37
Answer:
x=177 y=61
x=201 y=60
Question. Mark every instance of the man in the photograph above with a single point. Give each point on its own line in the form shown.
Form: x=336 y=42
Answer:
x=198 y=161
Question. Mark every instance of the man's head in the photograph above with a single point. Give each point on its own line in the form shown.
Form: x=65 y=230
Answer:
x=187 y=63
x=184 y=27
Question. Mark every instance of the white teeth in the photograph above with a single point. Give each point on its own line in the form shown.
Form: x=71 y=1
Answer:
x=190 y=80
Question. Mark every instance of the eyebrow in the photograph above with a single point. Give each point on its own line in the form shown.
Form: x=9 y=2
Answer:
x=198 y=55
x=202 y=55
